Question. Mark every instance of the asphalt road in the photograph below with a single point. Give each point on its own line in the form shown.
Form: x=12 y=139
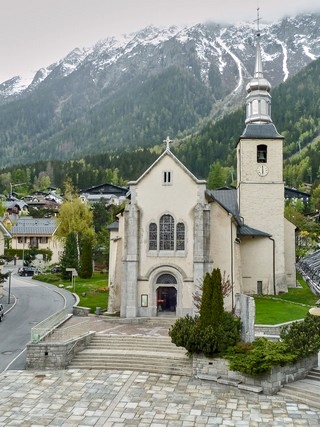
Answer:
x=30 y=303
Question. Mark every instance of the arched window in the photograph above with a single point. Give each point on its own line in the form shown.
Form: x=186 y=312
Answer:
x=180 y=238
x=166 y=279
x=166 y=241
x=262 y=153
x=153 y=236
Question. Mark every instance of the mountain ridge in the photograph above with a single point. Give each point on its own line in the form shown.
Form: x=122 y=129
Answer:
x=135 y=90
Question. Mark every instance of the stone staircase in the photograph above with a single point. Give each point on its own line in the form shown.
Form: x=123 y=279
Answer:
x=132 y=352
x=306 y=390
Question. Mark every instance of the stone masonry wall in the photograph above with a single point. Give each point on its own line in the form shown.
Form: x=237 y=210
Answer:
x=55 y=355
x=270 y=383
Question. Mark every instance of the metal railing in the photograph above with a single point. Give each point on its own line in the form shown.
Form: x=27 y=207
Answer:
x=68 y=333
x=43 y=328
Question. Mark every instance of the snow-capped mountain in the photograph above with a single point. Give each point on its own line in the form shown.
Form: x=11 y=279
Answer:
x=136 y=89
x=287 y=46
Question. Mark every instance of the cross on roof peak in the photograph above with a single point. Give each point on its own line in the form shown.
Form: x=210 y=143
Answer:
x=167 y=141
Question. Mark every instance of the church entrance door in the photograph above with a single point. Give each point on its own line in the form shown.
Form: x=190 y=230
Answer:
x=166 y=300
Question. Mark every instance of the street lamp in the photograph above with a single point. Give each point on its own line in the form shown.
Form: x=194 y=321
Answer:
x=23 y=242
x=10 y=272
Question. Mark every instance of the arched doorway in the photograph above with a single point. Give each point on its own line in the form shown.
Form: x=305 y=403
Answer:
x=166 y=294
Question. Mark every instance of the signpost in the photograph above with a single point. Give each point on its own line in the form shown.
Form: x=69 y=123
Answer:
x=74 y=274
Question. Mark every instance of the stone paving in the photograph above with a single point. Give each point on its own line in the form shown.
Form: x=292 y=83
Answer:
x=114 y=399
x=98 y=398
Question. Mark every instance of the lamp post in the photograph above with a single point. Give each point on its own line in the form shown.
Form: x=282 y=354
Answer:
x=24 y=239
x=9 y=292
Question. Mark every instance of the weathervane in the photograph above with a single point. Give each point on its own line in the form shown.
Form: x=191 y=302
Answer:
x=258 y=21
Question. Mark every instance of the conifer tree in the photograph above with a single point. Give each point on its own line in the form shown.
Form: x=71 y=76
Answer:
x=217 y=298
x=69 y=258
x=86 y=258
x=206 y=302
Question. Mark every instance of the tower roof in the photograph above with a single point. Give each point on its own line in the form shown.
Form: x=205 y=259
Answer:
x=258 y=101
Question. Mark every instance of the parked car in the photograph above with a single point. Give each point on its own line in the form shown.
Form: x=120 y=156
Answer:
x=27 y=271
x=1 y=312
x=56 y=269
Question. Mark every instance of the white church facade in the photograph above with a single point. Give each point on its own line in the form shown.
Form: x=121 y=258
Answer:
x=174 y=230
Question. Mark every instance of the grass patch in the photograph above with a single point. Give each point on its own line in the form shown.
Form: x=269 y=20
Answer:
x=92 y=292
x=293 y=305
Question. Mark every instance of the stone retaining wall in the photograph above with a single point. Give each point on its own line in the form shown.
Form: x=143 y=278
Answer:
x=218 y=370
x=80 y=311
x=55 y=355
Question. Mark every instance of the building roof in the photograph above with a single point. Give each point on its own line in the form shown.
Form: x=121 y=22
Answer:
x=113 y=226
x=106 y=189
x=293 y=193
x=4 y=231
x=227 y=198
x=244 y=230
x=261 y=131
x=28 y=226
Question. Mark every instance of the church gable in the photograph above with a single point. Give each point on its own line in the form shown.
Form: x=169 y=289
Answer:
x=164 y=185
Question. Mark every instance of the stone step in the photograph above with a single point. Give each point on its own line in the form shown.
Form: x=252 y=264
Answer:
x=134 y=364
x=148 y=344
x=103 y=353
x=306 y=391
x=119 y=366
x=131 y=352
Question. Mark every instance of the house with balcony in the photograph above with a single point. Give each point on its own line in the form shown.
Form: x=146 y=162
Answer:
x=36 y=233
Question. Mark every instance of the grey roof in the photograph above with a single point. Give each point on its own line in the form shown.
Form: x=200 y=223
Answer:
x=114 y=226
x=28 y=226
x=227 y=198
x=244 y=230
x=261 y=131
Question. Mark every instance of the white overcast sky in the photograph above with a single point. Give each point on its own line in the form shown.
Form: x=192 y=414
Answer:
x=36 y=33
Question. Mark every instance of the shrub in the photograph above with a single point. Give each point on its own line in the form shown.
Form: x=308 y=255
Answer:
x=303 y=338
x=188 y=332
x=185 y=333
x=259 y=357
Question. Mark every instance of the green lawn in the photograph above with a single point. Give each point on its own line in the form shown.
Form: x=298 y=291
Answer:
x=92 y=292
x=270 y=310
x=294 y=305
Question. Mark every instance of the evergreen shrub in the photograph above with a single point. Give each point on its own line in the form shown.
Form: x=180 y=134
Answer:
x=303 y=338
x=214 y=330
x=298 y=341
x=258 y=357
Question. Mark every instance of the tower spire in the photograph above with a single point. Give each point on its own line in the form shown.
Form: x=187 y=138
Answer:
x=258 y=101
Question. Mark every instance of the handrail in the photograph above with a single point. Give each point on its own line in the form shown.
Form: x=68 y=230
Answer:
x=67 y=333
x=43 y=328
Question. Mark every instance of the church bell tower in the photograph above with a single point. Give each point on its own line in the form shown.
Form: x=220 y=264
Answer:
x=260 y=186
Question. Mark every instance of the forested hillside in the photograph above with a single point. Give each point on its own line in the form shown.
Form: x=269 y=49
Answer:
x=295 y=112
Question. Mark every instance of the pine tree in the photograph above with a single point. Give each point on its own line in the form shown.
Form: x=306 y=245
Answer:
x=206 y=302
x=69 y=258
x=86 y=259
x=217 y=298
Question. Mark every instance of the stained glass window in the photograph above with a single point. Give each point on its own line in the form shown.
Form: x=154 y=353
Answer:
x=153 y=236
x=180 y=237
x=166 y=233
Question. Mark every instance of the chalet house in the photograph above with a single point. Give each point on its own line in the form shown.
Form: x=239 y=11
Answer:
x=112 y=194
x=38 y=233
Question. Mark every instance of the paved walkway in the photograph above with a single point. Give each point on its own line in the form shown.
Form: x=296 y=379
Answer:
x=85 y=398
x=113 y=399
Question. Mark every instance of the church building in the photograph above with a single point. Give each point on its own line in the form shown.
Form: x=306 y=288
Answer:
x=174 y=230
